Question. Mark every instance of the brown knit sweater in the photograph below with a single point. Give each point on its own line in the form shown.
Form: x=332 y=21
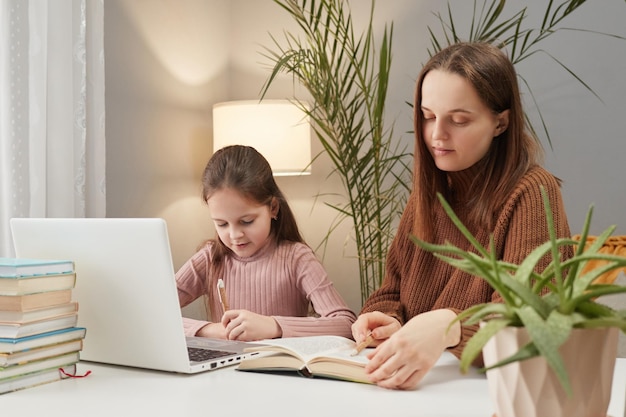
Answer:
x=416 y=282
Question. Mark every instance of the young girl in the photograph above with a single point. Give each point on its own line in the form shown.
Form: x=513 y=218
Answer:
x=472 y=146
x=270 y=275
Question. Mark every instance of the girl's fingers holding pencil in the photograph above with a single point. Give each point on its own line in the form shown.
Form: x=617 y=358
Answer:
x=247 y=326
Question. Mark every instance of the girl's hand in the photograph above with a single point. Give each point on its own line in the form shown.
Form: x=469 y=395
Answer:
x=247 y=326
x=403 y=360
x=380 y=325
x=212 y=330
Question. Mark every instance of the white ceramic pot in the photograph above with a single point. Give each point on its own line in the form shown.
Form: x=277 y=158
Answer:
x=531 y=389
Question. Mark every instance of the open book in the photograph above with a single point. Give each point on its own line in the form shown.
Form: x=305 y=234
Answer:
x=311 y=356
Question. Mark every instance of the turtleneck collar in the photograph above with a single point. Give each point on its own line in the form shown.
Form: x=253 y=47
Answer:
x=463 y=183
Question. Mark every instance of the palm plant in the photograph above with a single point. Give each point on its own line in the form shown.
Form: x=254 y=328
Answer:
x=346 y=76
x=488 y=24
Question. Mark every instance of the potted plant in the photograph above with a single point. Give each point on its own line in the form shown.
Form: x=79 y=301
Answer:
x=545 y=321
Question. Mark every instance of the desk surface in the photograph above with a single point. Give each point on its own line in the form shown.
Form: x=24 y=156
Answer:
x=120 y=391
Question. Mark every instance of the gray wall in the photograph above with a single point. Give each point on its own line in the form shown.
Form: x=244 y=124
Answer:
x=168 y=62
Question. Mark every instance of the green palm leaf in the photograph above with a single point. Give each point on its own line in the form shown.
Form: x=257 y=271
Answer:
x=347 y=76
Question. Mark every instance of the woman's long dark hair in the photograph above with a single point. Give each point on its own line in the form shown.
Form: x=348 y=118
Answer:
x=512 y=153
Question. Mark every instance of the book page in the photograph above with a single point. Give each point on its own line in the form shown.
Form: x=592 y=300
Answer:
x=343 y=355
x=309 y=347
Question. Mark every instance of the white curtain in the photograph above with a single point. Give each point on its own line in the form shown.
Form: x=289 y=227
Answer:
x=52 y=148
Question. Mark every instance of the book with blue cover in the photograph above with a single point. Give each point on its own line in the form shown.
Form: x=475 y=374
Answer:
x=26 y=267
x=11 y=345
x=43 y=352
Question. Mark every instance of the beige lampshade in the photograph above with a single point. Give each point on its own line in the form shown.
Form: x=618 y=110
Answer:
x=278 y=129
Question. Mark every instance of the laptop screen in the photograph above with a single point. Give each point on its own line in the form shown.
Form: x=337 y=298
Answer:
x=125 y=285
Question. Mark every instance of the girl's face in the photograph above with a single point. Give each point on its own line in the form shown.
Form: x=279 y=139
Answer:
x=457 y=126
x=242 y=224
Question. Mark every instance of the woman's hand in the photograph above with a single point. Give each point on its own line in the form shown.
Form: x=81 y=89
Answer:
x=247 y=326
x=403 y=360
x=380 y=325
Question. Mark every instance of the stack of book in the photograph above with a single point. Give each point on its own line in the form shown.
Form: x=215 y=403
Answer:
x=39 y=339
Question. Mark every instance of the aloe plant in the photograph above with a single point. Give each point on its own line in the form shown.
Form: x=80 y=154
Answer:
x=346 y=75
x=548 y=304
x=513 y=35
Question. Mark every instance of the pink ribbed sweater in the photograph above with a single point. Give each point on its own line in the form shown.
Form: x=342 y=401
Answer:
x=416 y=282
x=278 y=281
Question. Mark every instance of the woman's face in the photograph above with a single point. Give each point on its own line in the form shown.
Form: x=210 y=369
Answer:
x=242 y=225
x=457 y=126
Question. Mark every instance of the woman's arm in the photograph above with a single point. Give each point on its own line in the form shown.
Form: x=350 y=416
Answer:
x=387 y=298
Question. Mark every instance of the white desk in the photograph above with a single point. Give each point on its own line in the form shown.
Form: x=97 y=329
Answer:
x=118 y=391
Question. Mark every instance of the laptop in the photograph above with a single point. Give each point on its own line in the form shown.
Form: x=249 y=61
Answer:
x=126 y=291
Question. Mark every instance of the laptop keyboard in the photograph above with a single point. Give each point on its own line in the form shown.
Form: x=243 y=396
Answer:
x=201 y=355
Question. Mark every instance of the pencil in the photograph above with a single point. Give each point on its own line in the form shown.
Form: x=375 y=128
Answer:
x=221 y=291
x=365 y=343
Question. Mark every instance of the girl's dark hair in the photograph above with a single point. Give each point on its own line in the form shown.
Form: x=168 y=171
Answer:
x=244 y=169
x=512 y=153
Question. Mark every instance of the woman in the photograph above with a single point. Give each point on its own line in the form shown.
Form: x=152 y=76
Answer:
x=472 y=146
